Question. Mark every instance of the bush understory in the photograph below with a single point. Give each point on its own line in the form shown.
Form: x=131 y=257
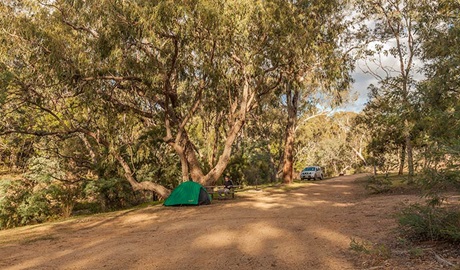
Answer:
x=428 y=222
x=26 y=201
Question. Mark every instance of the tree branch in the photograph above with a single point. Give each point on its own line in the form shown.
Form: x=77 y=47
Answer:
x=112 y=78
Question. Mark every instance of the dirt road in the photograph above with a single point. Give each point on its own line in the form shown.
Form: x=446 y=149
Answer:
x=310 y=227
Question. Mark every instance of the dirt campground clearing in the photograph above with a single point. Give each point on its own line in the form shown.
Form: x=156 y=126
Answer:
x=308 y=227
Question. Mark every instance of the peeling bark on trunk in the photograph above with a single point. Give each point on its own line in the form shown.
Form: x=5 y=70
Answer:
x=92 y=153
x=224 y=158
x=288 y=159
x=237 y=118
x=189 y=163
x=292 y=97
x=215 y=143
x=184 y=166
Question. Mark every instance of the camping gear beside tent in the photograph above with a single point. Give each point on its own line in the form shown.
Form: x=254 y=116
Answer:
x=188 y=193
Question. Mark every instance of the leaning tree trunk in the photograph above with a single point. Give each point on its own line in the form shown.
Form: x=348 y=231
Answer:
x=183 y=163
x=160 y=190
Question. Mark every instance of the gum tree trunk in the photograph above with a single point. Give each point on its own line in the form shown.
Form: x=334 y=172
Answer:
x=292 y=96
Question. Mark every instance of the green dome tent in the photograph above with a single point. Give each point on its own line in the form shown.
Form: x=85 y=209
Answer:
x=188 y=193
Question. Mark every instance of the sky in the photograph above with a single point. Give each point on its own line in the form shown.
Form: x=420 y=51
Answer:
x=359 y=89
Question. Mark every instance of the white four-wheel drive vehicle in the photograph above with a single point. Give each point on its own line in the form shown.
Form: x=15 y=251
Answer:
x=312 y=173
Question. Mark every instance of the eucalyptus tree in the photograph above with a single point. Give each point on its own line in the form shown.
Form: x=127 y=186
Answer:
x=47 y=93
x=114 y=73
x=317 y=67
x=382 y=118
x=218 y=60
x=440 y=91
x=396 y=26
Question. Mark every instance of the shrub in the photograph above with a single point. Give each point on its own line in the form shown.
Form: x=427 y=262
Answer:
x=11 y=194
x=112 y=194
x=38 y=196
x=360 y=246
x=428 y=222
x=381 y=251
x=22 y=203
x=434 y=182
x=378 y=184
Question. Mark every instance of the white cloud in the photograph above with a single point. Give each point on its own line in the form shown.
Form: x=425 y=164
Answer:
x=363 y=78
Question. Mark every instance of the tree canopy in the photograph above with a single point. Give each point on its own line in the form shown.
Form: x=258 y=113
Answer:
x=117 y=78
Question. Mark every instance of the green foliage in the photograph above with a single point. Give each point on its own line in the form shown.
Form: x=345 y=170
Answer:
x=440 y=91
x=37 y=197
x=385 y=128
x=110 y=194
x=52 y=182
x=378 y=184
x=430 y=223
x=146 y=81
x=331 y=141
x=434 y=182
x=11 y=195
x=359 y=246
x=22 y=202
x=154 y=161
x=381 y=252
x=404 y=115
x=252 y=164
x=104 y=81
x=15 y=152
x=257 y=169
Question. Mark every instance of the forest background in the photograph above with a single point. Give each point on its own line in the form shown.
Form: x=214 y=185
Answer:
x=107 y=103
